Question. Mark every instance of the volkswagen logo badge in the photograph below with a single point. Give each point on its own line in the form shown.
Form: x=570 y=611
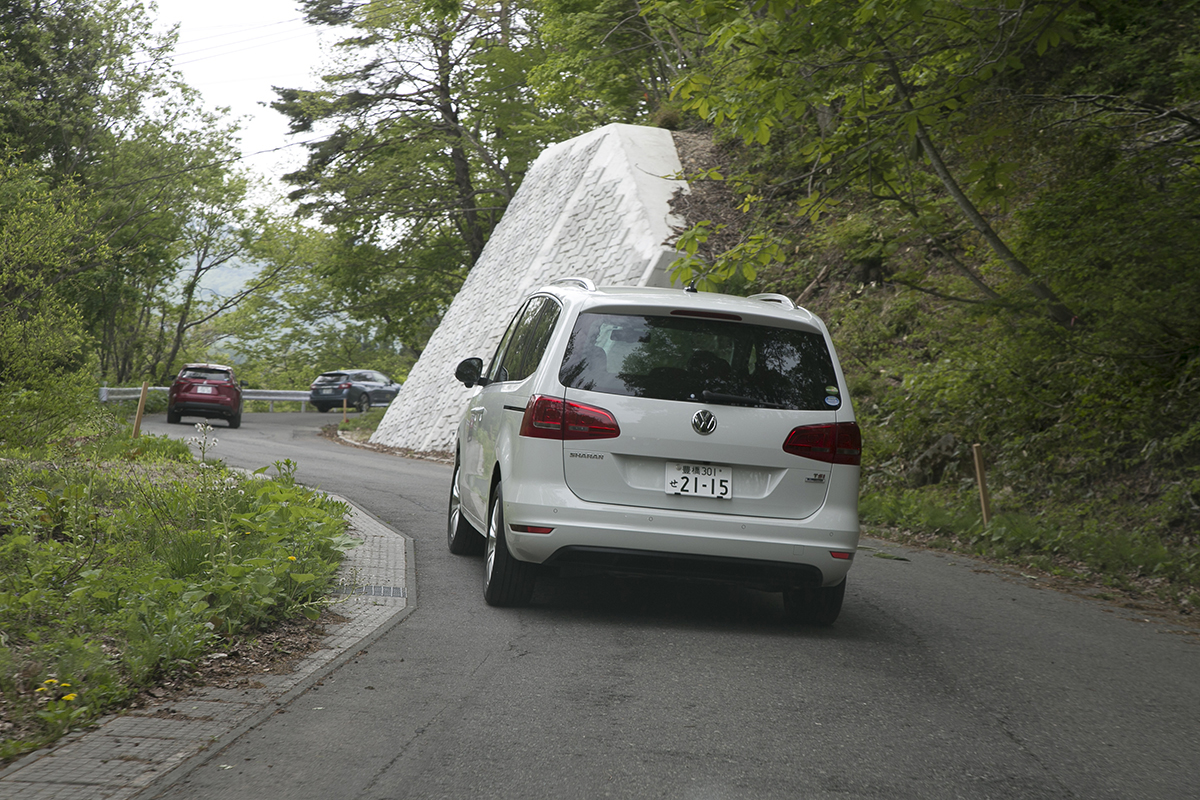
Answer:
x=703 y=422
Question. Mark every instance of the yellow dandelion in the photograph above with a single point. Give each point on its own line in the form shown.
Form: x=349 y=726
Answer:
x=40 y=689
x=49 y=681
x=291 y=558
x=70 y=696
x=64 y=685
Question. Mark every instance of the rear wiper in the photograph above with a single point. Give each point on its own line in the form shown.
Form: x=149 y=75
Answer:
x=737 y=399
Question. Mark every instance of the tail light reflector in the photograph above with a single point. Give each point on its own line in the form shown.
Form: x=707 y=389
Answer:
x=553 y=418
x=833 y=443
x=531 y=528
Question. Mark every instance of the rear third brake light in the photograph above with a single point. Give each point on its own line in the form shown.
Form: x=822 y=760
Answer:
x=705 y=314
x=552 y=418
x=833 y=443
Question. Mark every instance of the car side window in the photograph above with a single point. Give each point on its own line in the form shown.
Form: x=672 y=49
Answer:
x=496 y=371
x=539 y=337
x=528 y=342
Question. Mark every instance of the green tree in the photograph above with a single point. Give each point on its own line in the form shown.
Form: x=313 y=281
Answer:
x=606 y=62
x=93 y=105
x=880 y=88
x=427 y=128
x=45 y=380
x=286 y=335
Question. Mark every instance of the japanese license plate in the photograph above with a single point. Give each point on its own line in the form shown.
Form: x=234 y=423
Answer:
x=699 y=480
x=205 y=390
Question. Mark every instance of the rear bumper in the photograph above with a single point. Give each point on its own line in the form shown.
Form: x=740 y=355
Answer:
x=772 y=576
x=758 y=551
x=194 y=408
x=330 y=400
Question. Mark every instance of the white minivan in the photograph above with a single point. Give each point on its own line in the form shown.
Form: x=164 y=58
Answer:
x=660 y=431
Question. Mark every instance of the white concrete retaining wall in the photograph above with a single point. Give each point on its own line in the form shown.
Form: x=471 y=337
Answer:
x=597 y=206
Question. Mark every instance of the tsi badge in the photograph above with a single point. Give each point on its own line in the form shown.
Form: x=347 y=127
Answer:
x=817 y=477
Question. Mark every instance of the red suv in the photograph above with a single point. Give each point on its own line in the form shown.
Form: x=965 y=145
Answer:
x=205 y=390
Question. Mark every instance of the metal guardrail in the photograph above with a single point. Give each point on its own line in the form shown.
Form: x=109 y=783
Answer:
x=275 y=394
x=108 y=393
x=118 y=393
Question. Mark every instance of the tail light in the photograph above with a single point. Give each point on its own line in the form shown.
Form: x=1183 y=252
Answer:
x=833 y=443
x=552 y=418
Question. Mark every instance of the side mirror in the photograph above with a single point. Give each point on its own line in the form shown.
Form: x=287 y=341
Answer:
x=470 y=373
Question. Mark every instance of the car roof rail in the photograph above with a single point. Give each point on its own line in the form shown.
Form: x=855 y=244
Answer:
x=584 y=283
x=771 y=297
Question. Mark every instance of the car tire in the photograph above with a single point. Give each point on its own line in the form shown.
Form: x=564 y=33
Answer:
x=814 y=605
x=363 y=404
x=506 y=581
x=236 y=420
x=322 y=409
x=173 y=417
x=461 y=536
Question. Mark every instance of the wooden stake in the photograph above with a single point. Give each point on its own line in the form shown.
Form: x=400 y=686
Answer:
x=137 y=420
x=344 y=417
x=984 y=503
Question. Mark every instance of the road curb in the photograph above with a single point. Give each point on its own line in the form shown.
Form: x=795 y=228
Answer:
x=141 y=752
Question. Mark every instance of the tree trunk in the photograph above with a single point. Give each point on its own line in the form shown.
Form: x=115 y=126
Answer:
x=1058 y=310
x=472 y=230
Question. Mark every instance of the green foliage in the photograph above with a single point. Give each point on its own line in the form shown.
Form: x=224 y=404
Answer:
x=742 y=261
x=113 y=573
x=284 y=338
x=46 y=388
x=1117 y=551
x=434 y=125
x=604 y=63
x=363 y=422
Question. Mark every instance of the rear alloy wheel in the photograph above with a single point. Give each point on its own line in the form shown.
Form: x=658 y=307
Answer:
x=814 y=605
x=461 y=536
x=506 y=581
x=364 y=403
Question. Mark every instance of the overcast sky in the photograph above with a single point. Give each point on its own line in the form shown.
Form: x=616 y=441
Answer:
x=234 y=51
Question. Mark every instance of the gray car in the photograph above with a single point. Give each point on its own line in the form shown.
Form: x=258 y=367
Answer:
x=359 y=389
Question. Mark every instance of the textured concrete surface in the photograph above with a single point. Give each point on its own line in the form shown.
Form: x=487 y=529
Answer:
x=147 y=748
x=596 y=206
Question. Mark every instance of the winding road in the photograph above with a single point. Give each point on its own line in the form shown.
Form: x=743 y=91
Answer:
x=943 y=678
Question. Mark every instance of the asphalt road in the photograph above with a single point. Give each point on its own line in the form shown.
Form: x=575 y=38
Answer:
x=943 y=678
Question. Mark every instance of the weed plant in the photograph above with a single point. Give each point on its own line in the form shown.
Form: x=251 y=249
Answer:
x=367 y=422
x=122 y=562
x=1128 y=554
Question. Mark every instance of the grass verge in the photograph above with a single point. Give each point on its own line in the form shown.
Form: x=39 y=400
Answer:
x=122 y=561
x=1115 y=551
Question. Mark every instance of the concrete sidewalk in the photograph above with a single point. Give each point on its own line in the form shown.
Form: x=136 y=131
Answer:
x=146 y=749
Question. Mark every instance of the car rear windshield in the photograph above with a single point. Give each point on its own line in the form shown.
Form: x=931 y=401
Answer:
x=204 y=374
x=331 y=377
x=686 y=358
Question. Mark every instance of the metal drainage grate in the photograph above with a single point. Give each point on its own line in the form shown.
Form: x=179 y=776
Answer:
x=374 y=591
